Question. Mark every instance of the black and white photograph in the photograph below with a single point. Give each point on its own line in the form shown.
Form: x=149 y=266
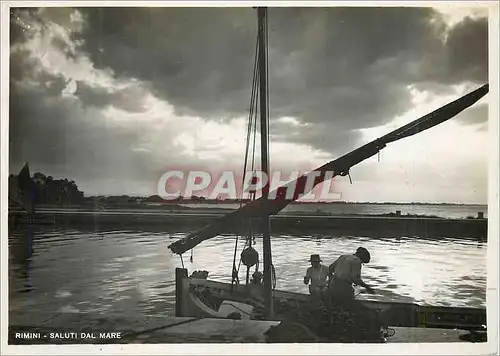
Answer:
x=290 y=177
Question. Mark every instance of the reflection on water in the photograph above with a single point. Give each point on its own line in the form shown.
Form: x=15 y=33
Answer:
x=132 y=272
x=21 y=253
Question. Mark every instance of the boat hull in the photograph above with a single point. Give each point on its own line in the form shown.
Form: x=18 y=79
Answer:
x=201 y=297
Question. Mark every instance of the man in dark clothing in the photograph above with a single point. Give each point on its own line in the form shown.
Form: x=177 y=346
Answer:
x=345 y=272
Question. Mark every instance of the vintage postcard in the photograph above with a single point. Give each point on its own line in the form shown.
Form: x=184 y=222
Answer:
x=287 y=178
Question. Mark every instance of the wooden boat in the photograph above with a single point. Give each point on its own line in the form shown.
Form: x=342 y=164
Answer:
x=198 y=296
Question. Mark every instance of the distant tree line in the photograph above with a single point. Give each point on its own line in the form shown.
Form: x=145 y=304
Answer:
x=47 y=190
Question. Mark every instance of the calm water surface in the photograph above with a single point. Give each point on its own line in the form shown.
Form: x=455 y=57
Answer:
x=132 y=272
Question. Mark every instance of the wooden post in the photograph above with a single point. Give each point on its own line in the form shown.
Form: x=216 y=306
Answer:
x=180 y=275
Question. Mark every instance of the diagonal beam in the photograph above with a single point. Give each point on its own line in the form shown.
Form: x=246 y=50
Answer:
x=340 y=166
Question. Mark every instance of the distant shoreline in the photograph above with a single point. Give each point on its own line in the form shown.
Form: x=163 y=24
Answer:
x=184 y=205
x=390 y=224
x=227 y=207
x=339 y=202
x=229 y=202
x=214 y=207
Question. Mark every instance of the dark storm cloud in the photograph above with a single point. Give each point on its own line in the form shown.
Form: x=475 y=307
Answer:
x=337 y=68
x=467 y=50
x=62 y=136
x=201 y=59
x=58 y=136
x=201 y=53
x=130 y=99
x=463 y=57
x=319 y=135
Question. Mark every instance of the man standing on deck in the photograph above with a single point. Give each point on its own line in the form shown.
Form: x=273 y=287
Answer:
x=345 y=272
x=317 y=274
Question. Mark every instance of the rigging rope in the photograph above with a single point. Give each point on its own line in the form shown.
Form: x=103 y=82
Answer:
x=251 y=135
x=250 y=116
x=266 y=34
x=250 y=128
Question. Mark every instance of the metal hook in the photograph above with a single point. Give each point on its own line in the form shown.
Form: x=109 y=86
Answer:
x=346 y=173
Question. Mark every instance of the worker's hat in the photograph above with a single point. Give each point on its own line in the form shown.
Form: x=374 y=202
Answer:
x=315 y=258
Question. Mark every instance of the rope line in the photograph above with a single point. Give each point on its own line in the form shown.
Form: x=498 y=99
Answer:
x=250 y=116
x=250 y=129
x=161 y=327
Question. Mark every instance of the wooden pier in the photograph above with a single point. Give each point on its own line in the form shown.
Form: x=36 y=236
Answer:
x=75 y=328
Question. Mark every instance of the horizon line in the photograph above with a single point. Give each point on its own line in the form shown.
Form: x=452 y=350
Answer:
x=232 y=201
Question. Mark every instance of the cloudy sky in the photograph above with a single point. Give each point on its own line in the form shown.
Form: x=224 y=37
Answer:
x=114 y=97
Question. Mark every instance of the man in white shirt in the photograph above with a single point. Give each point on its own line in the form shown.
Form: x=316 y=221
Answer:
x=317 y=274
x=345 y=272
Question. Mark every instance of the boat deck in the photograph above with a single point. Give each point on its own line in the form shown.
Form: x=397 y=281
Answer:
x=156 y=329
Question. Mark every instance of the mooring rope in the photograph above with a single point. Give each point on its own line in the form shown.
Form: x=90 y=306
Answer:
x=182 y=261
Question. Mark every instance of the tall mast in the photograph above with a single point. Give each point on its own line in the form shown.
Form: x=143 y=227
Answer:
x=266 y=244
